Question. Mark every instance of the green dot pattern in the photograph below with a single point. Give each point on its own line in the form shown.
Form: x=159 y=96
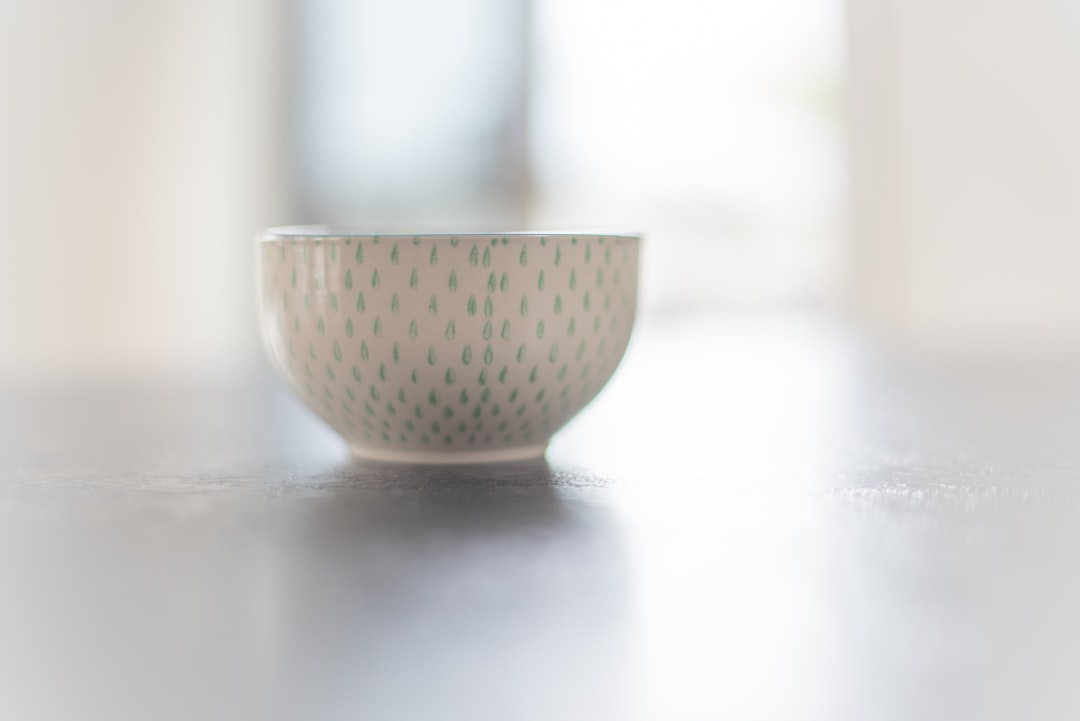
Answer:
x=502 y=339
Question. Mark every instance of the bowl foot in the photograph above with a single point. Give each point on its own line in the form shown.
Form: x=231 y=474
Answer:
x=499 y=455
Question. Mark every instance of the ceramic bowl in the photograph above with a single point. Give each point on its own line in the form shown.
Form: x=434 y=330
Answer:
x=446 y=348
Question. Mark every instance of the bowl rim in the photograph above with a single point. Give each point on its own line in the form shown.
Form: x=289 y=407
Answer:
x=330 y=232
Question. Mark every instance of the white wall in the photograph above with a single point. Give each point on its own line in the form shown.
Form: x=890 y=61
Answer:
x=966 y=147
x=141 y=147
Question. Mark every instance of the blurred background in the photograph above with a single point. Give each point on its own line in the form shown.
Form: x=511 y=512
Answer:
x=795 y=154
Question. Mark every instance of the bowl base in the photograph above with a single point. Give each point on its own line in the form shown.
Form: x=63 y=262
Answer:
x=500 y=455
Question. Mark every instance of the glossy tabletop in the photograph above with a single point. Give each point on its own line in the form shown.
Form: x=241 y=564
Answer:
x=760 y=518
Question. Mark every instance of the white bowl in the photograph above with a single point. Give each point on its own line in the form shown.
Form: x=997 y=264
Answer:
x=446 y=348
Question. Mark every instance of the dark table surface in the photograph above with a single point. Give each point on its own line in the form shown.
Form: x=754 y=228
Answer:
x=760 y=518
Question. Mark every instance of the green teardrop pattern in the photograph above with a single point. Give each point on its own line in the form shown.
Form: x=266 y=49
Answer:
x=354 y=374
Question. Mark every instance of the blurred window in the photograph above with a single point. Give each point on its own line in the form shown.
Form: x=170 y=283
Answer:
x=714 y=126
